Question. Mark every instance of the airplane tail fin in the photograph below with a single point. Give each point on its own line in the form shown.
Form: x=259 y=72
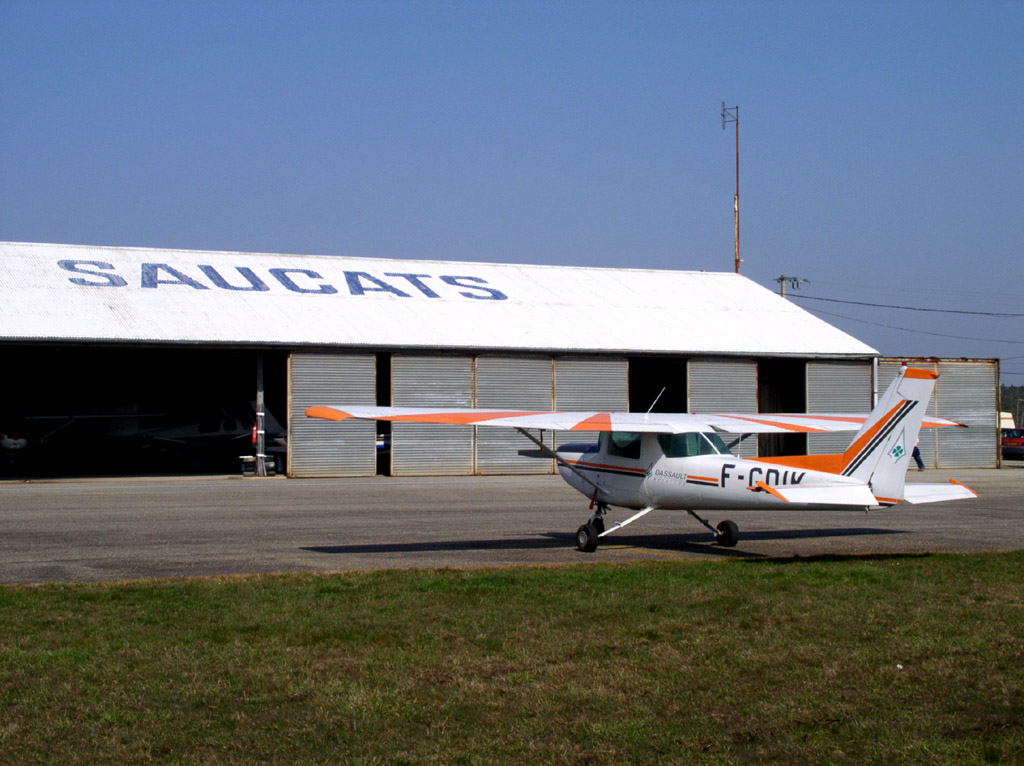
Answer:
x=880 y=453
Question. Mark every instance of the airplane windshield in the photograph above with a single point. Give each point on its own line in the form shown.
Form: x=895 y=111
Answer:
x=690 y=444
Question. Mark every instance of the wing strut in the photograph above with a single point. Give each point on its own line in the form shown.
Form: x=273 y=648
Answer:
x=559 y=459
x=630 y=520
x=735 y=442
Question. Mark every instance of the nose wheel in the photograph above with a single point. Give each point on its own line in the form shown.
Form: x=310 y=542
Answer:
x=727 y=534
x=587 y=535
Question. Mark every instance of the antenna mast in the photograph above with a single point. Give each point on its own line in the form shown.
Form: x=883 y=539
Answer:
x=732 y=114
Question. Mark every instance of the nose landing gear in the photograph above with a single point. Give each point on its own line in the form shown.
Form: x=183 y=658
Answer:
x=587 y=535
x=727 y=533
x=586 y=538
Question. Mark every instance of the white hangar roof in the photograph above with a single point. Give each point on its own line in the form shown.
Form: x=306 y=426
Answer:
x=79 y=293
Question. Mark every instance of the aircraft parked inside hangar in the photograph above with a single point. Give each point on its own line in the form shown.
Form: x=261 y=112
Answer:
x=226 y=432
x=659 y=461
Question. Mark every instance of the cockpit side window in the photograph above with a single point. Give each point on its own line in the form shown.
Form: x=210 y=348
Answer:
x=624 y=444
x=691 y=444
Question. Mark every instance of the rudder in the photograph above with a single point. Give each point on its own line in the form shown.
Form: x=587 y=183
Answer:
x=880 y=452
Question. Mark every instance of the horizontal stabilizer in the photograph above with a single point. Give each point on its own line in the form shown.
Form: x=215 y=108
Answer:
x=856 y=495
x=937 y=493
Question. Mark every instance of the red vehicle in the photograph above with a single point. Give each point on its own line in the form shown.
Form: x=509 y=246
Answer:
x=1013 y=444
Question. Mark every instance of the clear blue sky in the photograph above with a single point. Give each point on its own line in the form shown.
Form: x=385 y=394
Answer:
x=882 y=143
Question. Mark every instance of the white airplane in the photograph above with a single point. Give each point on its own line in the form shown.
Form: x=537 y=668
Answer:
x=659 y=461
x=13 y=443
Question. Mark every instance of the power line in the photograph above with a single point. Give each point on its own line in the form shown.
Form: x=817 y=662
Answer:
x=987 y=295
x=921 y=332
x=910 y=308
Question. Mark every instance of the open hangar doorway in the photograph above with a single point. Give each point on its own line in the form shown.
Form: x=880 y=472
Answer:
x=658 y=384
x=781 y=387
x=685 y=384
x=105 y=410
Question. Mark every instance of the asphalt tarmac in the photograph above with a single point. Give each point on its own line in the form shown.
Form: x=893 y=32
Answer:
x=129 y=529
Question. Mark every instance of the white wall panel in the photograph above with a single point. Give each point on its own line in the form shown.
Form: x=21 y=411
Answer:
x=965 y=392
x=836 y=387
x=515 y=383
x=320 y=448
x=423 y=449
x=590 y=384
x=724 y=386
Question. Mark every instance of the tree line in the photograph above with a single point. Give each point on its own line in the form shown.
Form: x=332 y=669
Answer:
x=1013 y=402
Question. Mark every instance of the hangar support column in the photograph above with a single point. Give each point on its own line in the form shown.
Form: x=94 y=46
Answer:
x=261 y=432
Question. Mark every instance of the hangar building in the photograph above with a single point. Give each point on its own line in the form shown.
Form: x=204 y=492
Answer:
x=124 y=359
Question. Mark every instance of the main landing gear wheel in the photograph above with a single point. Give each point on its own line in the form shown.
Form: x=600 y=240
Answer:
x=586 y=538
x=728 y=534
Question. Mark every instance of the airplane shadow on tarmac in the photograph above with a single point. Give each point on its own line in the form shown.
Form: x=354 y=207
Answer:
x=689 y=543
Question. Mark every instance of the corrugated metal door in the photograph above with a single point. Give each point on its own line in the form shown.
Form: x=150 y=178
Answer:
x=422 y=449
x=966 y=393
x=590 y=384
x=724 y=386
x=836 y=387
x=515 y=383
x=319 y=448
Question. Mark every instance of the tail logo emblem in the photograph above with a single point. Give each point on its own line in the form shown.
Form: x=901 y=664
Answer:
x=899 y=449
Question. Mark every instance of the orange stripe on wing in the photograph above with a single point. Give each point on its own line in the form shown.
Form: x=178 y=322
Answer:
x=930 y=423
x=961 y=484
x=456 y=418
x=785 y=426
x=841 y=418
x=602 y=421
x=327 y=413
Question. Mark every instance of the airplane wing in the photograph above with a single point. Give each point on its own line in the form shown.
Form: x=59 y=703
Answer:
x=654 y=422
x=935 y=493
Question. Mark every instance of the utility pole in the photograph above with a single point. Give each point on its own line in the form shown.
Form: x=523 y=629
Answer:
x=795 y=282
x=732 y=114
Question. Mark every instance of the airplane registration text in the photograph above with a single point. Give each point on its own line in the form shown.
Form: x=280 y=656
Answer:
x=771 y=476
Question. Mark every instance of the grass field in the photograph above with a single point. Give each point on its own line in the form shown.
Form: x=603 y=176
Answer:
x=852 y=660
